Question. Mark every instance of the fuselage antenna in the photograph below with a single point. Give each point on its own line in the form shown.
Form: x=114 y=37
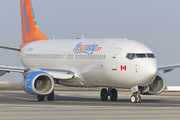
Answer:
x=82 y=36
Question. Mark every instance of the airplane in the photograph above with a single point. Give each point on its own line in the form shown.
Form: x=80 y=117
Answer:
x=109 y=63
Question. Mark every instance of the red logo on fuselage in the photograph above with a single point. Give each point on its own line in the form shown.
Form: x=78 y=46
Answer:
x=123 y=67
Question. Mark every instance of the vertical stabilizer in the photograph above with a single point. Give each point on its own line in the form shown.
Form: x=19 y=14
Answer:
x=30 y=32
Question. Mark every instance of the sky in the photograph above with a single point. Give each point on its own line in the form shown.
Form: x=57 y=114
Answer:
x=156 y=23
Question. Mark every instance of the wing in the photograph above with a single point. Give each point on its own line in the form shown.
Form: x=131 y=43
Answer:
x=168 y=68
x=59 y=73
x=55 y=73
x=12 y=69
x=10 y=48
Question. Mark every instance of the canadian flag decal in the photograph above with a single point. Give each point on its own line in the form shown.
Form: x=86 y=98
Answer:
x=123 y=67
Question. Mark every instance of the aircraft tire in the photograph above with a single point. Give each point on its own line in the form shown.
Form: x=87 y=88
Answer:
x=134 y=98
x=104 y=94
x=113 y=95
x=40 y=97
x=50 y=97
x=138 y=99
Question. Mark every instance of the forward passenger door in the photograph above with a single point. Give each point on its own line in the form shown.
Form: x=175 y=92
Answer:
x=114 y=59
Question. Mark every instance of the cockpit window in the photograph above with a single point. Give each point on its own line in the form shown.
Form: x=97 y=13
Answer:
x=128 y=56
x=150 y=55
x=141 y=55
x=131 y=56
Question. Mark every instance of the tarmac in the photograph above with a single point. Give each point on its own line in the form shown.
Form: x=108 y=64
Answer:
x=73 y=104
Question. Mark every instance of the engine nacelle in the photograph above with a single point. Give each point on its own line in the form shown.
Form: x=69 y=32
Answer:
x=156 y=87
x=38 y=83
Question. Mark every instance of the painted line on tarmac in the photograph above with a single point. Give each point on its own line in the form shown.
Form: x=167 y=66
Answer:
x=41 y=117
x=7 y=118
x=18 y=97
x=96 y=102
x=93 y=117
x=118 y=103
x=35 y=117
x=92 y=102
x=22 y=98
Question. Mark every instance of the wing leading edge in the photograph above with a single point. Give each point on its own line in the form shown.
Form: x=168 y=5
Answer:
x=55 y=73
x=13 y=69
x=168 y=68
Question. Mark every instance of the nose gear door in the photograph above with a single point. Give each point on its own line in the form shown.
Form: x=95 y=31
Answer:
x=114 y=59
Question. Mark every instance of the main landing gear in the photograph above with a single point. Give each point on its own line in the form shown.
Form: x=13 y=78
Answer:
x=50 y=97
x=110 y=92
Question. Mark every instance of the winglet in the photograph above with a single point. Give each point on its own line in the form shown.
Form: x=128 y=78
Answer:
x=30 y=32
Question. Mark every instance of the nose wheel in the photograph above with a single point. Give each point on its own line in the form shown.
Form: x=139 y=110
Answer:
x=135 y=98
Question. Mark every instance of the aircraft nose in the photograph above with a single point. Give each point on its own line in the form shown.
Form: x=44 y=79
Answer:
x=148 y=71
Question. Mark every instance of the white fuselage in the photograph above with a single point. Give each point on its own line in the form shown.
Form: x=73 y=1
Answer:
x=95 y=62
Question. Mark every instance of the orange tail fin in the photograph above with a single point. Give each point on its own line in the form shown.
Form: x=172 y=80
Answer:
x=30 y=32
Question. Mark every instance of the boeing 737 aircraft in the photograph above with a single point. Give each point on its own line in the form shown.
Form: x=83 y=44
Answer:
x=108 y=63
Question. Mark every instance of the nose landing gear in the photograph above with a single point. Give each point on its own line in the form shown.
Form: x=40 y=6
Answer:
x=135 y=98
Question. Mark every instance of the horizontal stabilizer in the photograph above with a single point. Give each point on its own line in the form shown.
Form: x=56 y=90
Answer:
x=10 y=48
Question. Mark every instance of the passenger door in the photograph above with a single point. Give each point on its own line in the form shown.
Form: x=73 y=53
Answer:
x=114 y=59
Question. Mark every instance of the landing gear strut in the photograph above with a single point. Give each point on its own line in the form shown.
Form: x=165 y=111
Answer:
x=110 y=92
x=135 y=98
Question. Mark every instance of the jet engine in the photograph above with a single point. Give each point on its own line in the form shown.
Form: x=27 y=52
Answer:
x=156 y=87
x=38 y=83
